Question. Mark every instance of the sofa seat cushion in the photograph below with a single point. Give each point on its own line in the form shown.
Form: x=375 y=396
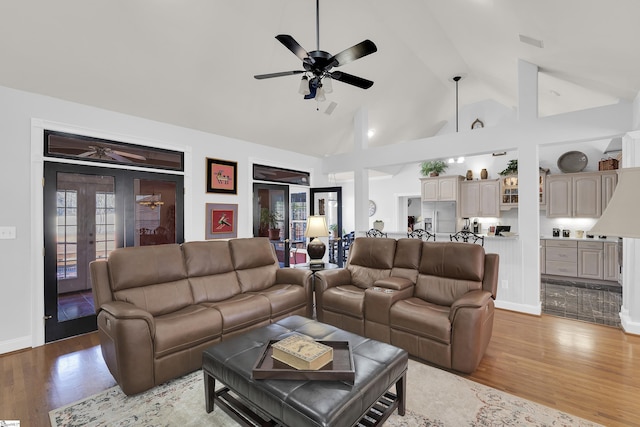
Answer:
x=242 y=311
x=284 y=298
x=421 y=318
x=344 y=299
x=186 y=328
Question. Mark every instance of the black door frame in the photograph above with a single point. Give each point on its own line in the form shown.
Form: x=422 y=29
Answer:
x=338 y=191
x=125 y=232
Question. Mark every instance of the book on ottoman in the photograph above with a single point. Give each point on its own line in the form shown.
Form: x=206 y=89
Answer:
x=302 y=352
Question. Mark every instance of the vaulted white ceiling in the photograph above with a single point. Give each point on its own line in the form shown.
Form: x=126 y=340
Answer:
x=191 y=63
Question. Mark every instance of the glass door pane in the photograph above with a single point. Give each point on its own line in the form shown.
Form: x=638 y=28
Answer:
x=155 y=212
x=82 y=201
x=327 y=201
x=298 y=227
x=271 y=217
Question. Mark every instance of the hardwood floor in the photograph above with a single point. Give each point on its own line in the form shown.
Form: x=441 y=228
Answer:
x=588 y=370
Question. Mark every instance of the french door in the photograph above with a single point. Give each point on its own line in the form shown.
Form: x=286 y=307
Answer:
x=88 y=212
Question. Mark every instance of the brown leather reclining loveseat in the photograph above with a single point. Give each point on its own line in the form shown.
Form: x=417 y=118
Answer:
x=433 y=299
x=160 y=306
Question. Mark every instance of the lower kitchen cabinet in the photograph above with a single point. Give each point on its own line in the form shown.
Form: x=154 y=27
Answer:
x=561 y=257
x=590 y=260
x=611 y=270
x=587 y=259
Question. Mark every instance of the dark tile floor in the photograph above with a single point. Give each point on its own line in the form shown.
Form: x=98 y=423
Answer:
x=587 y=301
x=74 y=305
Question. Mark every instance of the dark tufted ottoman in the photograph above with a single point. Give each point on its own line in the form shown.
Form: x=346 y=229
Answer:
x=378 y=366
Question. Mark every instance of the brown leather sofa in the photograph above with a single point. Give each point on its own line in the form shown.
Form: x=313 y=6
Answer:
x=433 y=299
x=160 y=306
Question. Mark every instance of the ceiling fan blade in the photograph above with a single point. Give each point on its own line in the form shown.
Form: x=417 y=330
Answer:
x=125 y=154
x=363 y=48
x=281 y=74
x=351 y=79
x=291 y=44
x=117 y=157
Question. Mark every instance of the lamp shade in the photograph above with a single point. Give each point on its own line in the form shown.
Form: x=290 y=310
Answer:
x=316 y=226
x=620 y=218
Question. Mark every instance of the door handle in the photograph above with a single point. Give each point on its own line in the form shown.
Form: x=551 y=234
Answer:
x=47 y=317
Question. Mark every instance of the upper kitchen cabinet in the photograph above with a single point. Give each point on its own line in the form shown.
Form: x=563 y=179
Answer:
x=480 y=198
x=579 y=195
x=509 y=191
x=440 y=188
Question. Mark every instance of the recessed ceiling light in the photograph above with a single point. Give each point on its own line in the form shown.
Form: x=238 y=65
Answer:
x=371 y=133
x=531 y=41
x=460 y=159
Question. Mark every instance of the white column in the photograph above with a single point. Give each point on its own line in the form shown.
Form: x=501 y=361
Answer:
x=361 y=175
x=630 y=310
x=527 y=90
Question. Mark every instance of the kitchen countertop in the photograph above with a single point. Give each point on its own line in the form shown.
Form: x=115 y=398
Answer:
x=583 y=239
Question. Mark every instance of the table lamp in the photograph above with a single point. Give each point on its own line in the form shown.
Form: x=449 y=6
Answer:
x=316 y=227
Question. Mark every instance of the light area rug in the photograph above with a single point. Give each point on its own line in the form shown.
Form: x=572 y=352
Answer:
x=434 y=398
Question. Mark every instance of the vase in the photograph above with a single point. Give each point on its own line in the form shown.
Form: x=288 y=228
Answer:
x=484 y=174
x=378 y=225
x=469 y=175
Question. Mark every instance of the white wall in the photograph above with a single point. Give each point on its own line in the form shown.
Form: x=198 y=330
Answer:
x=21 y=295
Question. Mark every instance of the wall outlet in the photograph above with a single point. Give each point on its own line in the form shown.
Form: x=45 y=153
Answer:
x=7 y=232
x=505 y=284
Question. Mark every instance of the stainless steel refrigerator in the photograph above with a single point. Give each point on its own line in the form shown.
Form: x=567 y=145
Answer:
x=439 y=217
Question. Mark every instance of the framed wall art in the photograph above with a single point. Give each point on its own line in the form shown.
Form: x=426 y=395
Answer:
x=222 y=176
x=221 y=221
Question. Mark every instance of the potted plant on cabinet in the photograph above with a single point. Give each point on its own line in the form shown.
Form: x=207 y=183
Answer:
x=269 y=220
x=433 y=167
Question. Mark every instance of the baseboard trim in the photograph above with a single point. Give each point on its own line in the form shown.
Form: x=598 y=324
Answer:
x=15 y=344
x=629 y=326
x=536 y=310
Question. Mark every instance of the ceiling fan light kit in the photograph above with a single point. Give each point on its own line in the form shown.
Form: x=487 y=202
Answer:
x=317 y=64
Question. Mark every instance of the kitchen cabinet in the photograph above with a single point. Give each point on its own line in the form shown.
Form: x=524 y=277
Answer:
x=590 y=260
x=561 y=257
x=579 y=195
x=587 y=259
x=480 y=198
x=509 y=191
x=611 y=268
x=440 y=188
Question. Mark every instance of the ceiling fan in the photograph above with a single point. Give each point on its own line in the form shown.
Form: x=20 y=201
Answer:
x=98 y=152
x=318 y=64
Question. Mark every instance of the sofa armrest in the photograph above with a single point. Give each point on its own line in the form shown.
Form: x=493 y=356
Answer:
x=293 y=276
x=326 y=279
x=123 y=310
x=473 y=299
x=396 y=283
x=471 y=327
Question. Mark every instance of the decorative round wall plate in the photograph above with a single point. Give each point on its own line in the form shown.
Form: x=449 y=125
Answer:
x=372 y=207
x=572 y=161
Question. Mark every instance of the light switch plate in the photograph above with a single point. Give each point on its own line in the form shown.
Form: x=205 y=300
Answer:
x=7 y=233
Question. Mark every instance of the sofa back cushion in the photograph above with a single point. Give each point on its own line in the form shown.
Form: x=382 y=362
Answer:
x=407 y=259
x=255 y=262
x=448 y=271
x=210 y=270
x=153 y=278
x=370 y=259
